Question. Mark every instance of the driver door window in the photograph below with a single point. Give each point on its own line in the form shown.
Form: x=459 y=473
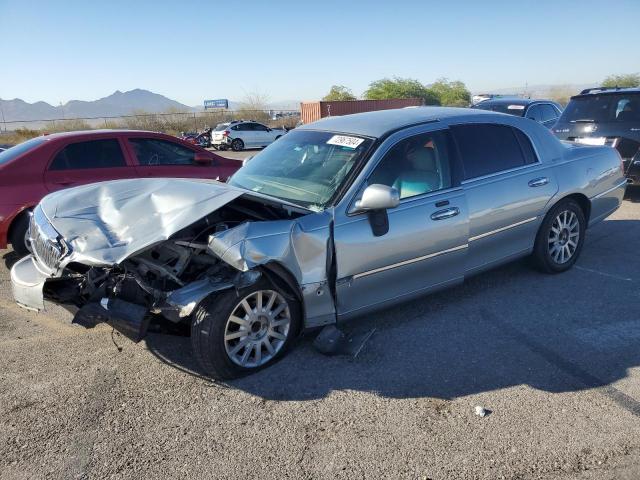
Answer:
x=416 y=165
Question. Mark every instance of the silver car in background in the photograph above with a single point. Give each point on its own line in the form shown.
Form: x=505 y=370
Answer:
x=339 y=218
x=244 y=134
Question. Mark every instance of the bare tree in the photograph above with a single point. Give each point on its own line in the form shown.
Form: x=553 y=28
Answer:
x=254 y=106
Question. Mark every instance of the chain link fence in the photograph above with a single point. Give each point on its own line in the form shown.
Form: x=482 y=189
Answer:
x=173 y=123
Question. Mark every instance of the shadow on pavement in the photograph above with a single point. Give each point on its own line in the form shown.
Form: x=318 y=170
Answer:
x=508 y=327
x=632 y=194
x=10 y=258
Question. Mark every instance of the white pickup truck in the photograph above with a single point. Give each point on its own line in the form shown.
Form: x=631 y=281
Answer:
x=244 y=134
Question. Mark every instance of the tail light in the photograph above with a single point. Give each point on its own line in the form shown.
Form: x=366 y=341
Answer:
x=225 y=133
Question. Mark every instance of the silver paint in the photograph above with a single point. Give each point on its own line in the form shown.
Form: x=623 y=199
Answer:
x=496 y=219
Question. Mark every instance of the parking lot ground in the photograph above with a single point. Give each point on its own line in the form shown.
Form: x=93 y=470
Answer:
x=555 y=358
x=236 y=155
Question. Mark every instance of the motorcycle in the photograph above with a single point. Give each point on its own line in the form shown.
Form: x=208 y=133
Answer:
x=202 y=139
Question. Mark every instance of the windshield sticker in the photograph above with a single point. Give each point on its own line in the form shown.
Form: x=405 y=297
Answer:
x=345 y=141
x=515 y=107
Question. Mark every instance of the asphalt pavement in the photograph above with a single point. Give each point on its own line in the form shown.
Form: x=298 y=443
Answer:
x=553 y=359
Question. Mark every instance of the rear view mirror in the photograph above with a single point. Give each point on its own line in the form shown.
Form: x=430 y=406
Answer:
x=202 y=159
x=378 y=197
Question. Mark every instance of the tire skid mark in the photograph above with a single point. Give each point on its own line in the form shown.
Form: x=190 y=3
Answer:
x=584 y=378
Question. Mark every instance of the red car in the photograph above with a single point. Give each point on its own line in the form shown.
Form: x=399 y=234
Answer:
x=32 y=169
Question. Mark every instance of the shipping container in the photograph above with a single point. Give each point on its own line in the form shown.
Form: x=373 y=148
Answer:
x=312 y=111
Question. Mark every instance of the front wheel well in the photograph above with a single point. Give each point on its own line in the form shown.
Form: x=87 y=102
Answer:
x=580 y=199
x=283 y=278
x=16 y=219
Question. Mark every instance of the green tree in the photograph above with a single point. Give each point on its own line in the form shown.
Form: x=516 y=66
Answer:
x=339 y=92
x=453 y=94
x=400 y=88
x=625 y=80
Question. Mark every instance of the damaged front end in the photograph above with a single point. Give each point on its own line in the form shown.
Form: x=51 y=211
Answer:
x=170 y=279
x=123 y=252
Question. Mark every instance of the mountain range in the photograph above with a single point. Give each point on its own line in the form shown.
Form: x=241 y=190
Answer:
x=117 y=104
x=126 y=103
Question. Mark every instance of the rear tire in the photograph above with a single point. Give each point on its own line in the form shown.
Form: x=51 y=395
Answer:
x=229 y=342
x=18 y=234
x=560 y=238
x=237 y=145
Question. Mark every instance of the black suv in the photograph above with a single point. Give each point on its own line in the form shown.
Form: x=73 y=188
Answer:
x=605 y=116
x=545 y=112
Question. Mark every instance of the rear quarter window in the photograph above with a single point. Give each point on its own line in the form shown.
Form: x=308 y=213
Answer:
x=91 y=154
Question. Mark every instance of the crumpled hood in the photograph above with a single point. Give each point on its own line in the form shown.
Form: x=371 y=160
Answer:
x=104 y=223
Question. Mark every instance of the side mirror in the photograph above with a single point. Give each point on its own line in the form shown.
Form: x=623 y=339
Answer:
x=202 y=159
x=378 y=197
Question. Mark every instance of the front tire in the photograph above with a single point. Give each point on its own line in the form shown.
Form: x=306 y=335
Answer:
x=235 y=334
x=560 y=238
x=237 y=145
x=18 y=234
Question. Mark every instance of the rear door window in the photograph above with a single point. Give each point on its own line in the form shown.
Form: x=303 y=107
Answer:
x=91 y=154
x=153 y=151
x=487 y=149
x=534 y=112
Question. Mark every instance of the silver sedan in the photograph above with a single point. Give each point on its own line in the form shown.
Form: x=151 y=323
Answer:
x=337 y=219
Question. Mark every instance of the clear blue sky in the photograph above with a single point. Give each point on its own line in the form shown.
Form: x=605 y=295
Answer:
x=191 y=50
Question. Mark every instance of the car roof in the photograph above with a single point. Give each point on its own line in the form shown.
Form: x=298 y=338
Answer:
x=377 y=124
x=88 y=133
x=596 y=91
x=512 y=101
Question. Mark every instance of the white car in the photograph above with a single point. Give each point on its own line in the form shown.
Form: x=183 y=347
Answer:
x=245 y=134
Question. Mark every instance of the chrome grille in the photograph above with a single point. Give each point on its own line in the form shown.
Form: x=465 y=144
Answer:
x=44 y=242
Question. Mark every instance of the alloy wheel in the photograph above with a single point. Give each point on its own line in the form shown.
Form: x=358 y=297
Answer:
x=564 y=236
x=257 y=328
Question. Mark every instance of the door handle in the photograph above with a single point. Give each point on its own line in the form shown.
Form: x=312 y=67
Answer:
x=538 y=182
x=446 y=213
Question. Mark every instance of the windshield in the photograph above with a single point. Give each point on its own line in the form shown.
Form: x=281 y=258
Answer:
x=302 y=167
x=220 y=127
x=511 y=109
x=14 y=152
x=603 y=108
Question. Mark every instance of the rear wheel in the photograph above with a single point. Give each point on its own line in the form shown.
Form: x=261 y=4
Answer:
x=234 y=334
x=18 y=234
x=237 y=145
x=560 y=238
